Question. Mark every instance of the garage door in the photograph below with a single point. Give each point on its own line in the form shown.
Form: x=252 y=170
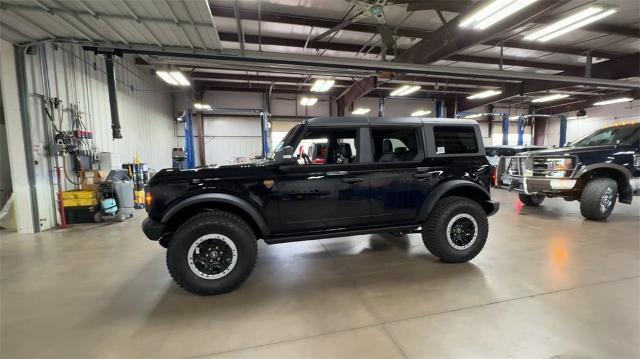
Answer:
x=231 y=140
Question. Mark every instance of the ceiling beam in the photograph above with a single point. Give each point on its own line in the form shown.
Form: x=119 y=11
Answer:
x=250 y=14
x=223 y=11
x=357 y=90
x=619 y=68
x=560 y=49
x=513 y=62
x=440 y=5
x=269 y=40
x=451 y=39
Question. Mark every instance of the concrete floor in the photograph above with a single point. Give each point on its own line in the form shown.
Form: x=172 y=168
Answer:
x=548 y=284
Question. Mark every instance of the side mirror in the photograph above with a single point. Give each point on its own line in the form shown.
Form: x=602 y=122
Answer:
x=568 y=144
x=285 y=156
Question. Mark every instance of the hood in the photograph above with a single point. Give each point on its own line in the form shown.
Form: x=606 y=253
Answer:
x=249 y=169
x=569 y=151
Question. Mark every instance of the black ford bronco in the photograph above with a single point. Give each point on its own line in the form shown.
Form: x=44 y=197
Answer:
x=367 y=175
x=596 y=170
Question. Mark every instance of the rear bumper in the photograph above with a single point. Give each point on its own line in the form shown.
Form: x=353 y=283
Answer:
x=491 y=207
x=152 y=229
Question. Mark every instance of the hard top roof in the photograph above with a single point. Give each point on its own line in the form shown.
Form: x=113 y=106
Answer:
x=361 y=121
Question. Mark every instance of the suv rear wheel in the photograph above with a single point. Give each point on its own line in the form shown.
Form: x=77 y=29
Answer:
x=212 y=253
x=531 y=200
x=456 y=229
x=598 y=198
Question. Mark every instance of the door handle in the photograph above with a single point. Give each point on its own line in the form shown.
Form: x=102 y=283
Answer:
x=423 y=169
x=352 y=179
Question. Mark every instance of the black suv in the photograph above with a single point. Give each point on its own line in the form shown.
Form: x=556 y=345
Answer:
x=596 y=170
x=374 y=175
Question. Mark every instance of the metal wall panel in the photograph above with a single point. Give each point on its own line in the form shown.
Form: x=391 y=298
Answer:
x=79 y=78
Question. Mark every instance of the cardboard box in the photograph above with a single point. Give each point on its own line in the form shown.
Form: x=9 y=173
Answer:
x=92 y=179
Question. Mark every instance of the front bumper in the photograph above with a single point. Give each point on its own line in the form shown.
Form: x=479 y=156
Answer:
x=533 y=185
x=152 y=229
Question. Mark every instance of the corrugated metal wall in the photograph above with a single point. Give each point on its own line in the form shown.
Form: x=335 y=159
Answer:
x=78 y=78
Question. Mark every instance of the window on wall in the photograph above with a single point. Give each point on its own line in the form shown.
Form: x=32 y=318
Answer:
x=455 y=139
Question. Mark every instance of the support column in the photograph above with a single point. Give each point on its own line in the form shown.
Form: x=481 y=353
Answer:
x=505 y=128
x=201 y=151
x=539 y=130
x=188 y=139
x=521 y=123
x=439 y=108
x=563 y=130
x=264 y=125
x=18 y=138
x=380 y=106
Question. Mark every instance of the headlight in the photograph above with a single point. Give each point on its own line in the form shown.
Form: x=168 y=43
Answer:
x=558 y=167
x=549 y=167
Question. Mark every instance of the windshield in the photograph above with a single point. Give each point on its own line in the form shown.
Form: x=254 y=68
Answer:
x=287 y=138
x=622 y=135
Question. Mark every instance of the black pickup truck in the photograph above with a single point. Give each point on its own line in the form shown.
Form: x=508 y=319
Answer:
x=596 y=170
x=373 y=175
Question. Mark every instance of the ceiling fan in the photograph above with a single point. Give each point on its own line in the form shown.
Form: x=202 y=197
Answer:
x=375 y=9
x=366 y=9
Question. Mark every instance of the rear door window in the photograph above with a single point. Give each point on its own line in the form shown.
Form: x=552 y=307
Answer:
x=455 y=139
x=396 y=145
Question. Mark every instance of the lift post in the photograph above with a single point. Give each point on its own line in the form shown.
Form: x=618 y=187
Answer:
x=521 y=123
x=505 y=128
x=188 y=140
x=563 y=130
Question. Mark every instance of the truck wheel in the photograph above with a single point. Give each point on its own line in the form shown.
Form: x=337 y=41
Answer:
x=598 y=198
x=456 y=230
x=531 y=200
x=212 y=253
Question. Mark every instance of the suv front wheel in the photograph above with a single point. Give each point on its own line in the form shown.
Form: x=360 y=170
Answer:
x=598 y=198
x=456 y=230
x=212 y=253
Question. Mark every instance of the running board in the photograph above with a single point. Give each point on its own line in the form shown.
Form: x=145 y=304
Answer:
x=342 y=233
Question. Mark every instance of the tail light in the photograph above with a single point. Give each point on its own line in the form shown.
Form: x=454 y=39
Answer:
x=494 y=172
x=148 y=199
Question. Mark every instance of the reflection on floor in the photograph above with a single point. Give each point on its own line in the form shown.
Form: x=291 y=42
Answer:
x=547 y=284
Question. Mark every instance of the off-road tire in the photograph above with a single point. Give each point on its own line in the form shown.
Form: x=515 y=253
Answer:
x=214 y=222
x=531 y=200
x=591 y=198
x=434 y=230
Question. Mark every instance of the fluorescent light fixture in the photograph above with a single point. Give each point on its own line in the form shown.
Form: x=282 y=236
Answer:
x=308 y=101
x=577 y=118
x=503 y=13
x=494 y=12
x=322 y=85
x=360 y=111
x=484 y=94
x=405 y=90
x=615 y=100
x=175 y=78
x=475 y=115
x=202 y=106
x=570 y=23
x=553 y=97
x=419 y=113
